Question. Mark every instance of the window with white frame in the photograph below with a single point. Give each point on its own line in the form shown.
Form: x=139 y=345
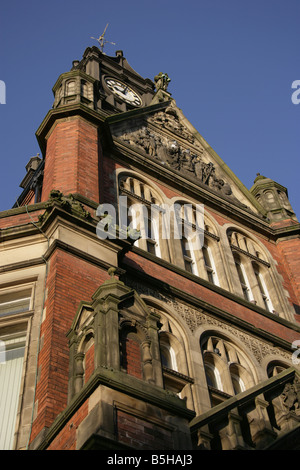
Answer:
x=168 y=357
x=14 y=301
x=11 y=366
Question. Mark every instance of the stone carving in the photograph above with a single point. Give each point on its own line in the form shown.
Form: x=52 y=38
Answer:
x=197 y=317
x=68 y=203
x=291 y=396
x=170 y=153
x=162 y=81
x=169 y=120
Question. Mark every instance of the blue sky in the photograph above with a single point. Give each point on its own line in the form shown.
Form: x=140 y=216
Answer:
x=231 y=63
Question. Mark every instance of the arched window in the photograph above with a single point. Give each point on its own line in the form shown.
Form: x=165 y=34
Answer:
x=213 y=376
x=209 y=264
x=238 y=384
x=143 y=214
x=226 y=367
x=198 y=242
x=246 y=289
x=252 y=270
x=84 y=88
x=168 y=357
x=88 y=360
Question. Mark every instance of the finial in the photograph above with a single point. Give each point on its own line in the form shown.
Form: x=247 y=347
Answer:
x=101 y=39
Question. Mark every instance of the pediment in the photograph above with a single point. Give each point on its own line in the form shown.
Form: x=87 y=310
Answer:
x=166 y=137
x=83 y=317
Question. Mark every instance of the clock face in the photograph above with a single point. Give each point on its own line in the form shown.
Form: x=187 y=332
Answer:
x=123 y=91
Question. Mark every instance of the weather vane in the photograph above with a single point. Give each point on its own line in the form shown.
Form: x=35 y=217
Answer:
x=102 y=41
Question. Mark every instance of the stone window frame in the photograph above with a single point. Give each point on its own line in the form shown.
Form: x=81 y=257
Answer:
x=253 y=259
x=197 y=261
x=139 y=191
x=225 y=359
x=17 y=324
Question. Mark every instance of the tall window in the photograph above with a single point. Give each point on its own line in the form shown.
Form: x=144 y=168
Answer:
x=197 y=242
x=14 y=302
x=188 y=256
x=209 y=265
x=243 y=279
x=12 y=355
x=262 y=288
x=252 y=270
x=143 y=213
x=173 y=361
x=226 y=367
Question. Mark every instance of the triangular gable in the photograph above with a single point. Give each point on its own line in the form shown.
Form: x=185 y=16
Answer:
x=165 y=136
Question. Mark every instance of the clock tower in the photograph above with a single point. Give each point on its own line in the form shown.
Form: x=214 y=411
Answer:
x=96 y=87
x=103 y=83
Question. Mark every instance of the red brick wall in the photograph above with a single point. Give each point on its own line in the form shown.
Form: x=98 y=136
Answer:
x=66 y=439
x=132 y=360
x=89 y=363
x=290 y=255
x=71 y=162
x=20 y=219
x=70 y=280
x=141 y=434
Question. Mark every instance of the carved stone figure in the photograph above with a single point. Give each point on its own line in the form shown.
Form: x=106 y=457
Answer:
x=171 y=153
x=290 y=397
x=162 y=81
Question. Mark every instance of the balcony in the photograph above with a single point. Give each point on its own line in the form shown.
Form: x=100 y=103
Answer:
x=267 y=416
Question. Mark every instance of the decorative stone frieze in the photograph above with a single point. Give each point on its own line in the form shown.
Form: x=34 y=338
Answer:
x=194 y=318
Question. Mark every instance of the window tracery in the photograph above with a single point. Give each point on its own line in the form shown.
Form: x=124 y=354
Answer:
x=198 y=242
x=252 y=270
x=226 y=367
x=144 y=214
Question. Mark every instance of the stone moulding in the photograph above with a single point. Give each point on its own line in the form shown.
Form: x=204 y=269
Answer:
x=194 y=318
x=123 y=383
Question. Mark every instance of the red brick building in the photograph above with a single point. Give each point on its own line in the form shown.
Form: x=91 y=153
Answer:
x=117 y=330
